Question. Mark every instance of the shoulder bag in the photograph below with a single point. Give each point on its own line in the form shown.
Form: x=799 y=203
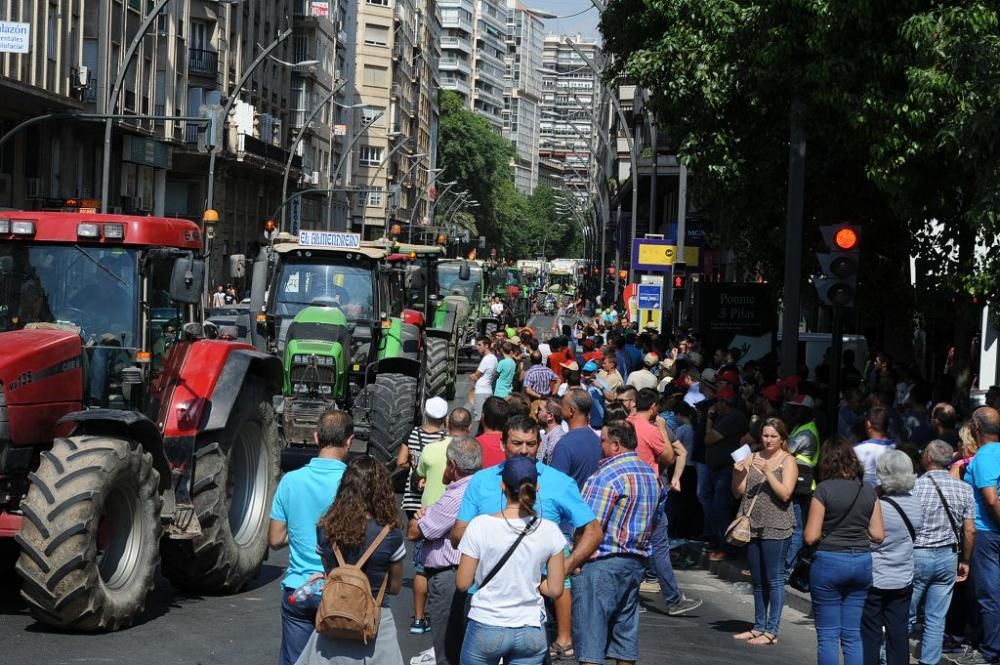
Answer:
x=906 y=520
x=506 y=555
x=738 y=532
x=799 y=579
x=959 y=540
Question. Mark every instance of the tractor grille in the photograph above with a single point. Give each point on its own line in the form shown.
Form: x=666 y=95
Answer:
x=313 y=376
x=301 y=417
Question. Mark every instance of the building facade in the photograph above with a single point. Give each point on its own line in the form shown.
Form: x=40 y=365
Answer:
x=523 y=91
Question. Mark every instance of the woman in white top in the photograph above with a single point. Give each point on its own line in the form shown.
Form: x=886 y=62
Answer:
x=507 y=613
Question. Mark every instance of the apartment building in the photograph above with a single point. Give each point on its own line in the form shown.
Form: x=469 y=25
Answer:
x=457 y=50
x=473 y=51
x=523 y=91
x=571 y=110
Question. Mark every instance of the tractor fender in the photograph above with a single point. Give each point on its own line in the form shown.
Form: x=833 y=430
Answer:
x=130 y=425
x=438 y=332
x=240 y=365
x=410 y=341
x=400 y=365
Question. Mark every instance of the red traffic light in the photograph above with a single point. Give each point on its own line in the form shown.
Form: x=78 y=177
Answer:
x=679 y=281
x=845 y=239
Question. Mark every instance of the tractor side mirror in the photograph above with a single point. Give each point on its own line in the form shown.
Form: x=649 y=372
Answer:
x=237 y=266
x=187 y=280
x=464 y=272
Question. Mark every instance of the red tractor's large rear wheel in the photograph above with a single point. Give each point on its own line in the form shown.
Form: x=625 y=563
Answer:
x=90 y=539
x=235 y=475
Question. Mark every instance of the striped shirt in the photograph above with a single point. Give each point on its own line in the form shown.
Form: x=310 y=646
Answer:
x=937 y=530
x=417 y=440
x=539 y=378
x=437 y=523
x=623 y=494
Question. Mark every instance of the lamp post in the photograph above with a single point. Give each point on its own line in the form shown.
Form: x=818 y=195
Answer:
x=371 y=182
x=350 y=146
x=413 y=213
x=298 y=138
x=214 y=150
x=317 y=190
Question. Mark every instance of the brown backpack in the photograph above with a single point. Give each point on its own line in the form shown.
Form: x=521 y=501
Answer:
x=347 y=610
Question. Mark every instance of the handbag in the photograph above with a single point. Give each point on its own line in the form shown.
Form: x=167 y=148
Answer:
x=738 y=532
x=799 y=579
x=906 y=520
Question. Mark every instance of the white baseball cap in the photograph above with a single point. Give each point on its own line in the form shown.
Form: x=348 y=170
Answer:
x=436 y=407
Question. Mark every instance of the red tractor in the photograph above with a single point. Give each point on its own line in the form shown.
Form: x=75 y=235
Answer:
x=130 y=434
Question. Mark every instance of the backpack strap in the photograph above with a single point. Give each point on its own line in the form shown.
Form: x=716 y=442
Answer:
x=368 y=553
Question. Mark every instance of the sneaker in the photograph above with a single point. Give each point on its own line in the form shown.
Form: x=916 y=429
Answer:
x=683 y=606
x=649 y=586
x=425 y=657
x=419 y=627
x=951 y=645
x=974 y=658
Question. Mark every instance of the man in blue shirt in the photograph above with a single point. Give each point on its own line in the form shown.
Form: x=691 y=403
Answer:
x=983 y=473
x=301 y=499
x=596 y=392
x=559 y=500
x=579 y=451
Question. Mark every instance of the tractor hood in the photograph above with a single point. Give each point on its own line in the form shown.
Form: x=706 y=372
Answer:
x=41 y=376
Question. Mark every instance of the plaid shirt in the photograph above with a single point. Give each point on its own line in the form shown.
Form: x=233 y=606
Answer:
x=623 y=494
x=437 y=523
x=539 y=378
x=937 y=530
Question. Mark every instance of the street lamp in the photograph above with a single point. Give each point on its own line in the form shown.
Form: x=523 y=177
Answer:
x=416 y=205
x=213 y=151
x=354 y=139
x=298 y=138
x=371 y=182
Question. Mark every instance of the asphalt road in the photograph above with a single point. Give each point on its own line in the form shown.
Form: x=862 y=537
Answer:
x=244 y=629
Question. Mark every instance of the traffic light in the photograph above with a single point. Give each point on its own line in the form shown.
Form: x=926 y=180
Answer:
x=839 y=283
x=678 y=281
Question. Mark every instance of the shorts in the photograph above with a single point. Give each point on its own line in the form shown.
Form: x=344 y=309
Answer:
x=418 y=557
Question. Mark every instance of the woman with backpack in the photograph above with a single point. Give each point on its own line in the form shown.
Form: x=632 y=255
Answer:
x=359 y=535
x=502 y=559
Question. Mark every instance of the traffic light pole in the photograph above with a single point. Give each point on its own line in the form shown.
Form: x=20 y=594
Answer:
x=836 y=351
x=791 y=298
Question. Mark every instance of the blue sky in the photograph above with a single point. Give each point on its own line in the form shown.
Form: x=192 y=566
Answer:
x=585 y=24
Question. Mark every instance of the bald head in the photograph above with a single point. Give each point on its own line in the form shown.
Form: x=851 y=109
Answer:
x=986 y=425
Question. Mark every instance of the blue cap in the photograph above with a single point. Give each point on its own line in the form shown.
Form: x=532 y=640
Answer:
x=590 y=366
x=516 y=470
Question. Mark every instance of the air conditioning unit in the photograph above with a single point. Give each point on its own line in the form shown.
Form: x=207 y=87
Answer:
x=33 y=188
x=83 y=76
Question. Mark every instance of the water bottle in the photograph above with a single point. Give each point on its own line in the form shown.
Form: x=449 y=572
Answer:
x=306 y=591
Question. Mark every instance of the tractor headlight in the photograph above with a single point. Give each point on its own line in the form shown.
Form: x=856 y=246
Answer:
x=326 y=389
x=299 y=359
x=325 y=360
x=301 y=389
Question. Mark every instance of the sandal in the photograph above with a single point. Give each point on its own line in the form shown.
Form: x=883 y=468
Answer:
x=747 y=635
x=559 y=652
x=764 y=640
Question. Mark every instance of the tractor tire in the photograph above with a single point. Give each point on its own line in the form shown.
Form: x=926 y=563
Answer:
x=90 y=538
x=490 y=327
x=235 y=476
x=393 y=408
x=436 y=375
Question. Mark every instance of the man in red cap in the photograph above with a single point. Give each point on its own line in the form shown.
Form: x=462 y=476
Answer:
x=725 y=426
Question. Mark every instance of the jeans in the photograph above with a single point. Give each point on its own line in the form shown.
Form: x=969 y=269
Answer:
x=888 y=609
x=716 y=496
x=986 y=567
x=446 y=608
x=800 y=508
x=297 y=624
x=767 y=571
x=934 y=573
x=658 y=564
x=839 y=584
x=606 y=609
x=487 y=645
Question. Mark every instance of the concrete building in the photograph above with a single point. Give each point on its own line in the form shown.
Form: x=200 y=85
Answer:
x=397 y=56
x=189 y=62
x=523 y=91
x=455 y=66
x=571 y=109
x=473 y=50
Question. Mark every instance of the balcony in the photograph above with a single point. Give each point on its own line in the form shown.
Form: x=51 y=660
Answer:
x=247 y=145
x=203 y=63
x=456 y=43
x=458 y=85
x=451 y=64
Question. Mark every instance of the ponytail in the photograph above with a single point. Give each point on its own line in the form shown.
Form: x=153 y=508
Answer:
x=526 y=495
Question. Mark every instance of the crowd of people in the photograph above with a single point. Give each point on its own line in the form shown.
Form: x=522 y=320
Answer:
x=548 y=513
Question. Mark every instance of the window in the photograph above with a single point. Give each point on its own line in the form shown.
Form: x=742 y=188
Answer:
x=380 y=3
x=374 y=199
x=376 y=76
x=373 y=115
x=369 y=155
x=376 y=35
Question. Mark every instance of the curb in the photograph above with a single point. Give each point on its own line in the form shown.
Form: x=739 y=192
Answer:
x=734 y=570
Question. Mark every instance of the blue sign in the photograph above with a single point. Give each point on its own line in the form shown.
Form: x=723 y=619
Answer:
x=649 y=296
x=330 y=239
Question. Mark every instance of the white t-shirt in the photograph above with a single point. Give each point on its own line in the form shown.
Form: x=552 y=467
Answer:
x=868 y=452
x=488 y=371
x=497 y=308
x=511 y=599
x=544 y=349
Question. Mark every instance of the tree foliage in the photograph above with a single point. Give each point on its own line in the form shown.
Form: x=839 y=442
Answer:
x=473 y=154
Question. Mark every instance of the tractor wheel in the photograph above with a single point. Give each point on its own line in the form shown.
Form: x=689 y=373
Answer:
x=235 y=475
x=450 y=389
x=90 y=538
x=436 y=374
x=393 y=407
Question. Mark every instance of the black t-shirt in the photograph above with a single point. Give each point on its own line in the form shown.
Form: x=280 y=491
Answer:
x=389 y=551
x=852 y=531
x=732 y=427
x=698 y=455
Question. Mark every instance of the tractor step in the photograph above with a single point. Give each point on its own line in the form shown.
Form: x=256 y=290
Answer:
x=185 y=525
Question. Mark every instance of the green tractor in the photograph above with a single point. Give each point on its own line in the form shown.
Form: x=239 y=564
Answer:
x=462 y=283
x=335 y=312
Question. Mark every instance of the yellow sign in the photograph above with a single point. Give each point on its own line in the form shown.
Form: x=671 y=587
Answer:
x=650 y=318
x=663 y=255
